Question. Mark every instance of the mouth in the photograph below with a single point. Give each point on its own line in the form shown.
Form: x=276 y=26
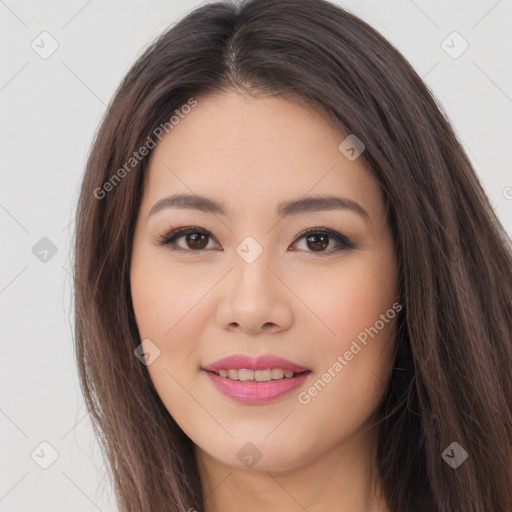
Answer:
x=255 y=380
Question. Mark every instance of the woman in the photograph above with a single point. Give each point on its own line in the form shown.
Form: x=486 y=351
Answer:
x=292 y=292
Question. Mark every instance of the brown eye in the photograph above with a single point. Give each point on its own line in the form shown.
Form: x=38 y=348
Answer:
x=196 y=239
x=317 y=242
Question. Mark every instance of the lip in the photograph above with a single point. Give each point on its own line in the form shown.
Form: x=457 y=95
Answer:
x=254 y=392
x=241 y=361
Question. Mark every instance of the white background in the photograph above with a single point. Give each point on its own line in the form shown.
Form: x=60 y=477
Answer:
x=50 y=109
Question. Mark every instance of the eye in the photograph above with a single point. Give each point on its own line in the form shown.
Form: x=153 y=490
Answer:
x=316 y=239
x=196 y=238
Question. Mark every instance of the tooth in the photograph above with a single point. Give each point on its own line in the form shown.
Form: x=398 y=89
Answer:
x=244 y=374
x=277 y=373
x=262 y=375
x=257 y=375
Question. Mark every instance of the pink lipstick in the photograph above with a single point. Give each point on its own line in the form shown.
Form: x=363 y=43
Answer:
x=255 y=380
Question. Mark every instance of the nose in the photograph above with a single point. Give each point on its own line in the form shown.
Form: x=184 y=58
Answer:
x=252 y=299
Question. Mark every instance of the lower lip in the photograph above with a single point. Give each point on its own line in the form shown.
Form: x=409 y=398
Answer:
x=254 y=392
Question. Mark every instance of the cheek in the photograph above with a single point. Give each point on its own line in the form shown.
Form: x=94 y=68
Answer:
x=355 y=351
x=352 y=299
x=355 y=364
x=168 y=311
x=163 y=298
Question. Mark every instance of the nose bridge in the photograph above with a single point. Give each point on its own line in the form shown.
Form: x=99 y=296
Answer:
x=251 y=262
x=252 y=297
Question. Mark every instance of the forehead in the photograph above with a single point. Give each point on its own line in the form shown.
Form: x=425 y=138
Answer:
x=243 y=150
x=266 y=126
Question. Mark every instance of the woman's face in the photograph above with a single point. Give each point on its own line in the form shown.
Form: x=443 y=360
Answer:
x=247 y=282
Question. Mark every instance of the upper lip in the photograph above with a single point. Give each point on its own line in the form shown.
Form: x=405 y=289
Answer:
x=242 y=361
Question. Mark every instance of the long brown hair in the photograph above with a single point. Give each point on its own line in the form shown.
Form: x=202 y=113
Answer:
x=452 y=377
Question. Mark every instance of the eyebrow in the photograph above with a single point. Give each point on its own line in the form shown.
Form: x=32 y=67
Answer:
x=292 y=207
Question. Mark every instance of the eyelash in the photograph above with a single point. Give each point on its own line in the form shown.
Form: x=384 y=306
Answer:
x=176 y=234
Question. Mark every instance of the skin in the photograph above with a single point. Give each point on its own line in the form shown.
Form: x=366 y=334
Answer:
x=304 y=305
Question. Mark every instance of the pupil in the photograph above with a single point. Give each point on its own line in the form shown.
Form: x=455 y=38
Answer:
x=323 y=244
x=197 y=240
